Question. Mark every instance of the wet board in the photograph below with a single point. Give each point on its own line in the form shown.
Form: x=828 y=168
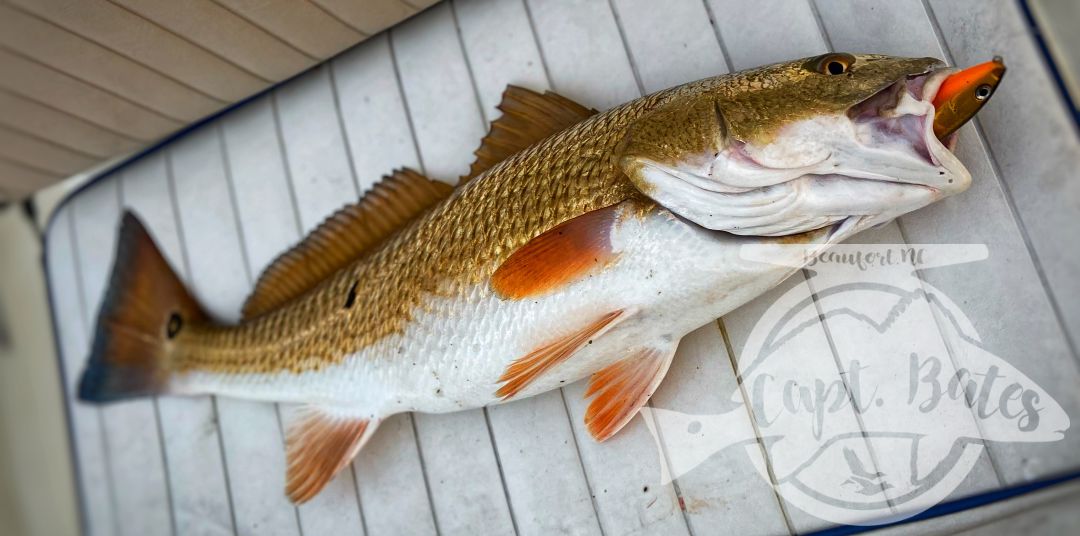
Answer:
x=226 y=198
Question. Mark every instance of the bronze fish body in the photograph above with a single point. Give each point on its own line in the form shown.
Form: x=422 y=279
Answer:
x=581 y=244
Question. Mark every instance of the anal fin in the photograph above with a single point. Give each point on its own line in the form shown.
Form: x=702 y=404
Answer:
x=527 y=368
x=623 y=387
x=319 y=444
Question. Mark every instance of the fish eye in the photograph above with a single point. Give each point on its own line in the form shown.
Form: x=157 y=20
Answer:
x=831 y=64
x=983 y=92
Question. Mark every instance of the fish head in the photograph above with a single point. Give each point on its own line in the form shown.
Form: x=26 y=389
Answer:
x=839 y=140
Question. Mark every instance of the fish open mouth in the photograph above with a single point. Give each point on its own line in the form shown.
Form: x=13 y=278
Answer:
x=845 y=172
x=903 y=114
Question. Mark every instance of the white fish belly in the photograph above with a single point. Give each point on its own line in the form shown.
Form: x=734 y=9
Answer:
x=670 y=277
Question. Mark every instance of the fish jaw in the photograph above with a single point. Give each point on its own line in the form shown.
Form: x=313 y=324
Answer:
x=877 y=161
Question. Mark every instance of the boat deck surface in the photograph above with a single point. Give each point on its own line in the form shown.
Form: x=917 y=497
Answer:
x=224 y=199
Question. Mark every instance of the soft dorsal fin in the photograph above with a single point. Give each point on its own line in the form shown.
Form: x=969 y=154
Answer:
x=527 y=117
x=390 y=204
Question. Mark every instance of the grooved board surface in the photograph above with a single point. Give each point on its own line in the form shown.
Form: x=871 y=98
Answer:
x=225 y=199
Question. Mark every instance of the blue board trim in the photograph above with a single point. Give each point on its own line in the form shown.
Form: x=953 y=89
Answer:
x=1051 y=65
x=958 y=505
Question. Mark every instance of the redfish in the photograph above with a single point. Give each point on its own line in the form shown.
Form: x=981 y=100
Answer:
x=580 y=245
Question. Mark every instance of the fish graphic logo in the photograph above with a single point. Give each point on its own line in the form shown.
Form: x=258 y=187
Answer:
x=872 y=394
x=868 y=482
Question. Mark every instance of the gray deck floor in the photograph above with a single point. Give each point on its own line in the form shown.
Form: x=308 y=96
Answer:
x=225 y=199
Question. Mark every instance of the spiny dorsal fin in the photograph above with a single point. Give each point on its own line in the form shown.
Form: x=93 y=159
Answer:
x=394 y=201
x=527 y=118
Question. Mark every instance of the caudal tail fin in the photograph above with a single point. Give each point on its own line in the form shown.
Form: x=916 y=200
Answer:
x=142 y=318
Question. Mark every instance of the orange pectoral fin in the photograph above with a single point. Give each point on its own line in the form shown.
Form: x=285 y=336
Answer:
x=526 y=369
x=622 y=388
x=317 y=447
x=559 y=256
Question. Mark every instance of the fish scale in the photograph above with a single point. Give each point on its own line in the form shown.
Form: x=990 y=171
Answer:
x=439 y=253
x=580 y=244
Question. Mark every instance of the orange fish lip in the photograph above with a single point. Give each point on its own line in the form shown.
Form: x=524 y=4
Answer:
x=963 y=93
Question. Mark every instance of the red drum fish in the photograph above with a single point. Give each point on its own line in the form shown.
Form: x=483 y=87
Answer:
x=581 y=244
